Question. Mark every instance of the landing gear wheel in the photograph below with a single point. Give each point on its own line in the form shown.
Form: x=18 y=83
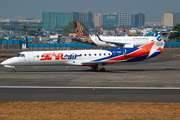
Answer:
x=94 y=68
x=13 y=70
x=102 y=69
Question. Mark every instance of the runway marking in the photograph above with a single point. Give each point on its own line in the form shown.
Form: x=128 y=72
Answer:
x=176 y=55
x=46 y=87
x=19 y=72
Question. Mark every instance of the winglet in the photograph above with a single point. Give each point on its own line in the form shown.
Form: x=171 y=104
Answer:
x=100 y=29
x=99 y=38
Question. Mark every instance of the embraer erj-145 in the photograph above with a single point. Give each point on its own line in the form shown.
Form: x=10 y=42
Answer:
x=96 y=59
x=111 y=41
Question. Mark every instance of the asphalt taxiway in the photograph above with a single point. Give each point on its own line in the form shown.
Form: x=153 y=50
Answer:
x=167 y=95
x=161 y=71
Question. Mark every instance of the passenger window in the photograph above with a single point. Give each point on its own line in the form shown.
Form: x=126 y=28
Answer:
x=89 y=54
x=41 y=55
x=104 y=54
x=46 y=55
x=37 y=56
x=109 y=54
x=99 y=54
x=84 y=54
x=94 y=54
x=80 y=54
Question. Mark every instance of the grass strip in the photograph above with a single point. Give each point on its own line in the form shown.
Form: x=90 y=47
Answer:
x=89 y=110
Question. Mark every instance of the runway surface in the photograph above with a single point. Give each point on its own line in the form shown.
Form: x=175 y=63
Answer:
x=90 y=95
x=158 y=72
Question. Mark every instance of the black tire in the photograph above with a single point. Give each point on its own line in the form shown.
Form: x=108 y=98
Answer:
x=13 y=70
x=94 y=68
x=102 y=69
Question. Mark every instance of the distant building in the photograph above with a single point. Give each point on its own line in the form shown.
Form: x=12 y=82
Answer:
x=62 y=19
x=137 y=19
x=110 y=19
x=45 y=21
x=171 y=19
x=98 y=20
x=31 y=21
x=126 y=32
x=124 y=19
x=4 y=20
x=86 y=17
x=152 y=24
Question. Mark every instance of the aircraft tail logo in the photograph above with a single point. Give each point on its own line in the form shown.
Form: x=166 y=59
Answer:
x=82 y=34
x=159 y=42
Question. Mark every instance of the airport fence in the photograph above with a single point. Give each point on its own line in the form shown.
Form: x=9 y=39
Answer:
x=59 y=46
x=10 y=44
x=64 y=46
x=172 y=45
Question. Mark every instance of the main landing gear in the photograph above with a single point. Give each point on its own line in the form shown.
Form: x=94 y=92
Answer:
x=98 y=68
x=13 y=70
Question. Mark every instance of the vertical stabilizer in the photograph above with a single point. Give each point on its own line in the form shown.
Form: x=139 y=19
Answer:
x=159 y=42
x=82 y=34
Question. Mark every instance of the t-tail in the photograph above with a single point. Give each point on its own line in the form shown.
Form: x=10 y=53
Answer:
x=82 y=35
x=158 y=43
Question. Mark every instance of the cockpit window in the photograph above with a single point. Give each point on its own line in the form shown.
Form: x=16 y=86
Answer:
x=18 y=55
x=22 y=55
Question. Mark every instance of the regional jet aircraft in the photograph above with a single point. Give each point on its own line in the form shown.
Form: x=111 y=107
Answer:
x=111 y=41
x=96 y=59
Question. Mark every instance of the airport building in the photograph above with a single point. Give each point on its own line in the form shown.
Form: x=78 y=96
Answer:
x=62 y=19
x=124 y=19
x=171 y=19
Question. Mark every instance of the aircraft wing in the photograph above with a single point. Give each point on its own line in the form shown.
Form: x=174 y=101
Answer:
x=100 y=62
x=116 y=43
x=112 y=42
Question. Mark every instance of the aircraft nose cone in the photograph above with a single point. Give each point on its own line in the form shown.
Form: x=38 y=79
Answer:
x=6 y=62
x=2 y=63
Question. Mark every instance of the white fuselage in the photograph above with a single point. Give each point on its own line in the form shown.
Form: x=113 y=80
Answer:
x=68 y=57
x=112 y=41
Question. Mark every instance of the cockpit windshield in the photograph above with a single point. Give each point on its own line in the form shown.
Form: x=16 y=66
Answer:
x=20 y=55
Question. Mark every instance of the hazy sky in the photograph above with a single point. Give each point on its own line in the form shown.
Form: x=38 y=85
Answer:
x=153 y=9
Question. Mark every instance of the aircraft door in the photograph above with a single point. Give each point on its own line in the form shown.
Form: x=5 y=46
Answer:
x=31 y=57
